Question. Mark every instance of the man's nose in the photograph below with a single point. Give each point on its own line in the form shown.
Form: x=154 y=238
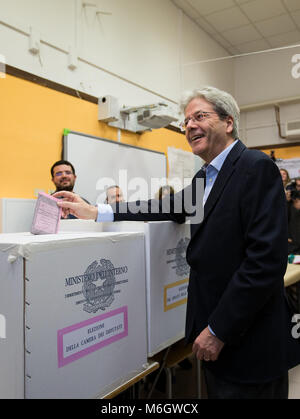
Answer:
x=191 y=123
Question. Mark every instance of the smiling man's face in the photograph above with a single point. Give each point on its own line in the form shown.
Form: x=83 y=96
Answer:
x=210 y=136
x=63 y=178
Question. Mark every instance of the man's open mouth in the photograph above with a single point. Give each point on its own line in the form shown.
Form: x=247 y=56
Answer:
x=197 y=137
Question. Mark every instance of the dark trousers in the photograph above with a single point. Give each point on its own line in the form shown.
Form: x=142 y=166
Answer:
x=220 y=389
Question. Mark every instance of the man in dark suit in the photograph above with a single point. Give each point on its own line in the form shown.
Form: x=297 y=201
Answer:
x=237 y=315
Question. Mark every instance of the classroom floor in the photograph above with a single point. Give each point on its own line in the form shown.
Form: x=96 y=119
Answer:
x=185 y=384
x=294 y=383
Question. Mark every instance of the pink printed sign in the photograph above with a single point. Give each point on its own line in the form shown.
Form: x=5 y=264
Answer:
x=81 y=339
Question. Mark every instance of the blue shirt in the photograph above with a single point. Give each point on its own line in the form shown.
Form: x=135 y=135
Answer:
x=212 y=170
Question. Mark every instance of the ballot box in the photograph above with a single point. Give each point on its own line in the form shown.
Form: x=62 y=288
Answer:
x=167 y=274
x=72 y=313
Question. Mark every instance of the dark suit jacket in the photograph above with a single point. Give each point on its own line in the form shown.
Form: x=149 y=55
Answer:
x=238 y=257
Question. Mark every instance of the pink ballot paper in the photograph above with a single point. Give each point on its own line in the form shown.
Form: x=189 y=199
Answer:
x=46 y=215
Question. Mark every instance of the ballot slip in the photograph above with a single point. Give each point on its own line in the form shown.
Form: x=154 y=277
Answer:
x=47 y=215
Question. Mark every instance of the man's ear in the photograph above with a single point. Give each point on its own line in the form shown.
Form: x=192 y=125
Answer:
x=230 y=123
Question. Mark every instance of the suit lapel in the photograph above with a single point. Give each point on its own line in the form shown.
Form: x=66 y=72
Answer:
x=221 y=181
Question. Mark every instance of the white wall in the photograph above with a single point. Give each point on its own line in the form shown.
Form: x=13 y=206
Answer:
x=138 y=54
x=267 y=76
x=259 y=127
x=145 y=52
x=197 y=48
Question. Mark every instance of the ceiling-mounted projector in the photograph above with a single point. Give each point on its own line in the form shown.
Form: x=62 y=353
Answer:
x=154 y=119
x=135 y=119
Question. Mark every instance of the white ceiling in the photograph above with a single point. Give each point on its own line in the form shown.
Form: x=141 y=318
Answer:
x=245 y=26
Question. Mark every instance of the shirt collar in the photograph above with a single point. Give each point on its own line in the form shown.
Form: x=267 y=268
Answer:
x=218 y=161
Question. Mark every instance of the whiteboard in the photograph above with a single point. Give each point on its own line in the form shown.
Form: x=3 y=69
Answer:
x=100 y=163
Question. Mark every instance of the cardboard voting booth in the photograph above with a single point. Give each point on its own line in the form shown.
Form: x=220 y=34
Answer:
x=73 y=306
x=167 y=274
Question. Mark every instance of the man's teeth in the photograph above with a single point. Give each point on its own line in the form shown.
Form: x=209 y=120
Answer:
x=197 y=136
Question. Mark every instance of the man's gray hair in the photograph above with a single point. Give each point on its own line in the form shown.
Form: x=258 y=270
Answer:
x=223 y=103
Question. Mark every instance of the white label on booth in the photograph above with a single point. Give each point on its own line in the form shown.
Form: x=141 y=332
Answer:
x=175 y=294
x=83 y=338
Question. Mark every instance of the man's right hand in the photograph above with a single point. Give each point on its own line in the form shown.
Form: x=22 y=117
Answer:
x=73 y=204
